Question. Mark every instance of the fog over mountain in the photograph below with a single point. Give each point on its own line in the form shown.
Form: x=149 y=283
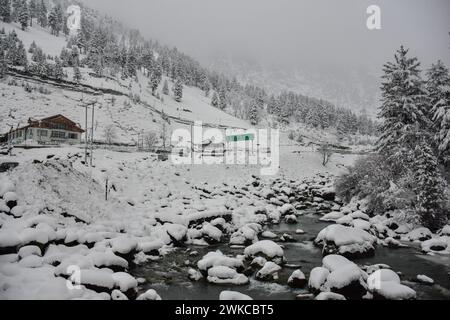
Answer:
x=314 y=47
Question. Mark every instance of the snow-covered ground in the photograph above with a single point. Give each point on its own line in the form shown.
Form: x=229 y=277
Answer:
x=55 y=224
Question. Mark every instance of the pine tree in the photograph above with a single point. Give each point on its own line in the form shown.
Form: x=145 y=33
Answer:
x=5 y=10
x=215 y=100
x=253 y=115
x=77 y=74
x=23 y=14
x=429 y=187
x=20 y=58
x=3 y=64
x=58 y=71
x=166 y=88
x=155 y=77
x=34 y=10
x=16 y=4
x=403 y=106
x=55 y=20
x=222 y=100
x=42 y=14
x=438 y=86
x=178 y=90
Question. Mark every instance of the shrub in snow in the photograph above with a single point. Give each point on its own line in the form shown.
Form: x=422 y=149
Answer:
x=217 y=258
x=268 y=272
x=345 y=241
x=266 y=249
x=317 y=279
x=330 y=296
x=233 y=296
x=297 y=279
x=150 y=295
x=419 y=234
x=226 y=275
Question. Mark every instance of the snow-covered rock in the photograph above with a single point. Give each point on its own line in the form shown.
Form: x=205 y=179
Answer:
x=317 y=279
x=194 y=275
x=329 y=296
x=267 y=249
x=117 y=295
x=233 y=296
x=419 y=234
x=150 y=295
x=385 y=284
x=211 y=233
x=226 y=275
x=268 y=272
x=391 y=290
x=332 y=216
x=297 y=279
x=217 y=258
x=28 y=251
x=425 y=279
x=346 y=241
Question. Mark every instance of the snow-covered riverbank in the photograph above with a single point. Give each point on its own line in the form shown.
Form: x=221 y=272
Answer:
x=54 y=218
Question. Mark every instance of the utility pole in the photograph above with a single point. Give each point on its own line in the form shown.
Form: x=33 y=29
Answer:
x=86 y=136
x=92 y=134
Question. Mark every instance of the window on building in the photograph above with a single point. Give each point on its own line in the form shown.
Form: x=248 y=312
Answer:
x=59 y=126
x=58 y=134
x=42 y=133
x=73 y=136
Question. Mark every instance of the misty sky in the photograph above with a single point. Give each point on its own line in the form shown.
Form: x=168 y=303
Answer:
x=291 y=32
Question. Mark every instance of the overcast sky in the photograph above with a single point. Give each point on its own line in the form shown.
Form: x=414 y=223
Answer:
x=291 y=32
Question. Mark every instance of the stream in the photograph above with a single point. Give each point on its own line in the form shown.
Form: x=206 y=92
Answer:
x=168 y=275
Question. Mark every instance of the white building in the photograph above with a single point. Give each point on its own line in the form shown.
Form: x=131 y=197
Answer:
x=52 y=130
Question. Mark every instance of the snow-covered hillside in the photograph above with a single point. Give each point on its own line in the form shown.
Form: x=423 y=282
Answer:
x=116 y=105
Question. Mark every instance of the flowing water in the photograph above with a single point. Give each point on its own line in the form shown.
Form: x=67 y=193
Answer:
x=168 y=275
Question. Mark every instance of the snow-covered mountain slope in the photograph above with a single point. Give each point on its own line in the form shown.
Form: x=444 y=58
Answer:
x=356 y=89
x=116 y=105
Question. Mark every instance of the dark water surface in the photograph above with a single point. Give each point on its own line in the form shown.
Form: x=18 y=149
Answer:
x=168 y=276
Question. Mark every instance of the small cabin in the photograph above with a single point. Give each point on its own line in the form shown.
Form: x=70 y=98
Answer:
x=52 y=130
